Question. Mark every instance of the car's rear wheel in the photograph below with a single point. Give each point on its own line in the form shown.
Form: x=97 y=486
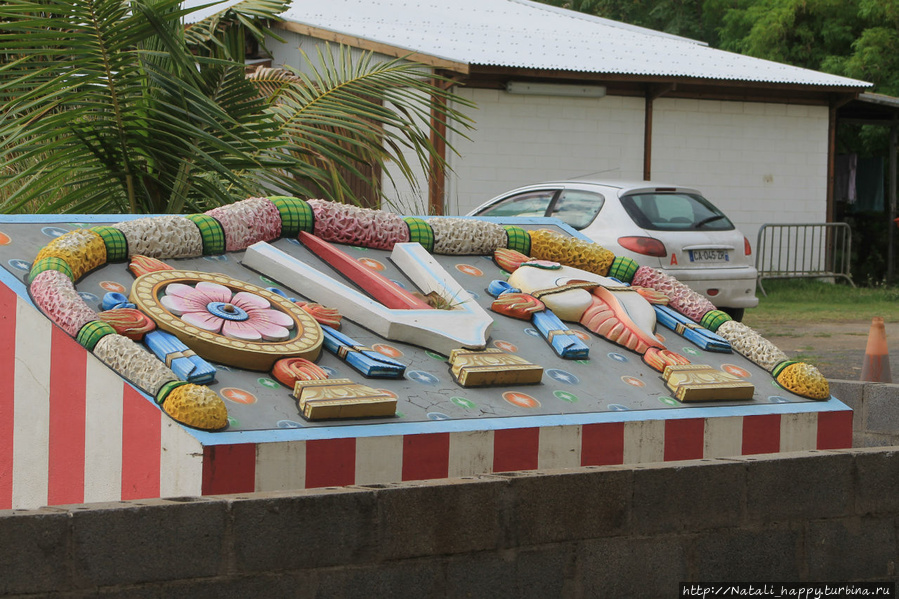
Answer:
x=735 y=313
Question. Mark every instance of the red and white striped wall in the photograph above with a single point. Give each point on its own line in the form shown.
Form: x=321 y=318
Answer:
x=366 y=460
x=72 y=431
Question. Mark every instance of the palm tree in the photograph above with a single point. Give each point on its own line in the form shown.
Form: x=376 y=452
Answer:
x=116 y=106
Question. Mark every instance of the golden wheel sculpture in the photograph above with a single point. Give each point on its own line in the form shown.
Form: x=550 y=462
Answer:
x=225 y=320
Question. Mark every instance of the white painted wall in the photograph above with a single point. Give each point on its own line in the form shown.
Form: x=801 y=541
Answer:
x=759 y=163
x=521 y=140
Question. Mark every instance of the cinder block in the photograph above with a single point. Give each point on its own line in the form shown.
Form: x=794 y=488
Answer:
x=304 y=529
x=760 y=555
x=851 y=549
x=797 y=111
x=877 y=481
x=270 y=584
x=753 y=108
x=34 y=551
x=693 y=495
x=538 y=573
x=882 y=409
x=439 y=517
x=632 y=567
x=148 y=540
x=547 y=571
x=798 y=485
x=775 y=109
x=565 y=505
x=864 y=440
x=407 y=578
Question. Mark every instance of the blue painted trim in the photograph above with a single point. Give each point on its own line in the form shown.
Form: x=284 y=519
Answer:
x=72 y=218
x=469 y=425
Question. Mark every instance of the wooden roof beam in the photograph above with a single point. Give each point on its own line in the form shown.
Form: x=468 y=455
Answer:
x=372 y=46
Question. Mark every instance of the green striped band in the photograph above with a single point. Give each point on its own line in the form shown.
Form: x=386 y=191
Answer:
x=781 y=366
x=91 y=333
x=212 y=233
x=714 y=319
x=116 y=243
x=623 y=269
x=518 y=239
x=167 y=388
x=420 y=231
x=296 y=215
x=51 y=263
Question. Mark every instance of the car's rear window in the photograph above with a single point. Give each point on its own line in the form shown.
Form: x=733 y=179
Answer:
x=675 y=212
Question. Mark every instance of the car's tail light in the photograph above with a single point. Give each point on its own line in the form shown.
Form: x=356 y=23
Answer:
x=648 y=246
x=747 y=247
x=712 y=292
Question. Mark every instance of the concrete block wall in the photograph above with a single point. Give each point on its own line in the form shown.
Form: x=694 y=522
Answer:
x=603 y=531
x=758 y=162
x=875 y=422
x=519 y=140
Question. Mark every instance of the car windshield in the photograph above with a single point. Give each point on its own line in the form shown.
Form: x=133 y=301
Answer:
x=532 y=203
x=675 y=212
x=577 y=208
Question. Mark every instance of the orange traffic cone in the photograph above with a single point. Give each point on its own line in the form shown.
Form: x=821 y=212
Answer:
x=876 y=367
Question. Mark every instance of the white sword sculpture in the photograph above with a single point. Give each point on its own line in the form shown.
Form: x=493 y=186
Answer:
x=463 y=326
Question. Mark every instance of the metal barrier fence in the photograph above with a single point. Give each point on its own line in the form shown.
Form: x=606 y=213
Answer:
x=807 y=250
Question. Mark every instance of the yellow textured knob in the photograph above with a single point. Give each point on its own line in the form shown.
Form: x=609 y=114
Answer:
x=197 y=406
x=82 y=249
x=805 y=380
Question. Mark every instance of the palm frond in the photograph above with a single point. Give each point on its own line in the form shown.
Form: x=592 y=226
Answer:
x=111 y=105
x=224 y=30
x=115 y=92
x=348 y=112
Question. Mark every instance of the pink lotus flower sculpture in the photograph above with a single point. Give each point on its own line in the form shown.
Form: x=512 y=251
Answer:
x=215 y=308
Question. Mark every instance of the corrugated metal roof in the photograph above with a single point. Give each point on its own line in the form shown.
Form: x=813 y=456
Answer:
x=208 y=9
x=523 y=34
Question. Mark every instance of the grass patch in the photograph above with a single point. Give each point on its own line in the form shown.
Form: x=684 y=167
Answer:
x=806 y=357
x=808 y=300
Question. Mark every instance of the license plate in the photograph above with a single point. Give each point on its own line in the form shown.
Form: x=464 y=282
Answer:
x=709 y=256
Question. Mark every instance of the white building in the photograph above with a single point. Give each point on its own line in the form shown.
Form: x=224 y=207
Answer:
x=756 y=136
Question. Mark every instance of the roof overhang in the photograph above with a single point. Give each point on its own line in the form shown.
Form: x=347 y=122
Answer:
x=496 y=77
x=674 y=87
x=871 y=109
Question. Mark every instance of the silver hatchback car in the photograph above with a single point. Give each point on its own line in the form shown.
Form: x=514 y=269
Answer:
x=668 y=227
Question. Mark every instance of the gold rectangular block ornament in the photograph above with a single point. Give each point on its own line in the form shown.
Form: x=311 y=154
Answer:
x=473 y=368
x=341 y=398
x=699 y=382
